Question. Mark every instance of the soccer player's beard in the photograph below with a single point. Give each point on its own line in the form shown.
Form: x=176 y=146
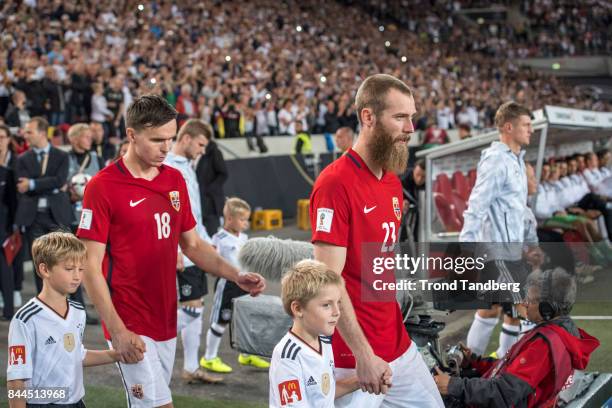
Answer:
x=386 y=153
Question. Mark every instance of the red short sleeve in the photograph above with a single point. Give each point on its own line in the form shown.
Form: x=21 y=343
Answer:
x=96 y=215
x=330 y=212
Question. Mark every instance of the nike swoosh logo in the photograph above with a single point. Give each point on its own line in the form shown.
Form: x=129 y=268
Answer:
x=367 y=210
x=135 y=203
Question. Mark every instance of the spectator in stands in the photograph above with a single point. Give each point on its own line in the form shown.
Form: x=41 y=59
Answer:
x=435 y=136
x=344 y=138
x=17 y=115
x=100 y=144
x=116 y=104
x=186 y=106
x=233 y=122
x=122 y=150
x=80 y=97
x=332 y=122
x=212 y=174
x=286 y=119
x=272 y=119
x=56 y=103
x=99 y=108
x=464 y=131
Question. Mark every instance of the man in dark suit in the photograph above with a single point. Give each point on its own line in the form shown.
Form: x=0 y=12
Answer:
x=212 y=174
x=8 y=205
x=42 y=172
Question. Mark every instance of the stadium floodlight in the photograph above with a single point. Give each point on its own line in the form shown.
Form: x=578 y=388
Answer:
x=140 y=7
x=556 y=66
x=298 y=28
x=228 y=58
x=268 y=96
x=404 y=58
x=153 y=81
x=381 y=28
x=323 y=79
x=387 y=44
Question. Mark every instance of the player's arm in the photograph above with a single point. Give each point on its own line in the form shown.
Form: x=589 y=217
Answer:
x=208 y=259
x=100 y=357
x=129 y=345
x=370 y=368
x=483 y=193
x=346 y=386
x=16 y=386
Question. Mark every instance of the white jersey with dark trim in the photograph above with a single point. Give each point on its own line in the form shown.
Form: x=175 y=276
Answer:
x=301 y=376
x=46 y=350
x=228 y=245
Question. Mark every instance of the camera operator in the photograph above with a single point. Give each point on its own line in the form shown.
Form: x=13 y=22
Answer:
x=541 y=364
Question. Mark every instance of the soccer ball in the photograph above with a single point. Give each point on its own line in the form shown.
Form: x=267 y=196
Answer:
x=78 y=183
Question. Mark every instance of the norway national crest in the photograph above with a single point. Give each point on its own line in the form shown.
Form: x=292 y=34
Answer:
x=175 y=200
x=396 y=208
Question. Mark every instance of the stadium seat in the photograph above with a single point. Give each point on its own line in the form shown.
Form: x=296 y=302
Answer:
x=461 y=185
x=446 y=213
x=443 y=185
x=460 y=205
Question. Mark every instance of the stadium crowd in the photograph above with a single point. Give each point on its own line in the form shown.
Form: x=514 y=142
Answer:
x=256 y=68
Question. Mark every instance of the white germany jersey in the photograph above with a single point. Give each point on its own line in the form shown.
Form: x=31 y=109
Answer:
x=46 y=349
x=301 y=376
x=228 y=245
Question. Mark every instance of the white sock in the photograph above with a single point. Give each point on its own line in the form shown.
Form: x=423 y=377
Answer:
x=507 y=337
x=526 y=326
x=480 y=333
x=190 y=336
x=185 y=315
x=213 y=340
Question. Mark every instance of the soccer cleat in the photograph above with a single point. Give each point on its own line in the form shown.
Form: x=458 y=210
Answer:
x=248 y=359
x=216 y=365
x=200 y=376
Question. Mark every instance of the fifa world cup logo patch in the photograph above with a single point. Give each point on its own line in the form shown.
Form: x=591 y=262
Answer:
x=175 y=200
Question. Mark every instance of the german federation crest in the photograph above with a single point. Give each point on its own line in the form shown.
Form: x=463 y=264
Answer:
x=396 y=208
x=175 y=200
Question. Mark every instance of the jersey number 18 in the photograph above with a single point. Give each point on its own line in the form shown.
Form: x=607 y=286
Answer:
x=163 y=225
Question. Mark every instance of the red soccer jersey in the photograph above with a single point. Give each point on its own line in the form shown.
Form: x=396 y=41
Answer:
x=140 y=222
x=351 y=208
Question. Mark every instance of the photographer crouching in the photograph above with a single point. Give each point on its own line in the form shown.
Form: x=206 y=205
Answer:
x=538 y=366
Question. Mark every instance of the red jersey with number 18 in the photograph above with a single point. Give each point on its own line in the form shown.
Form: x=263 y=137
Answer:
x=140 y=222
x=351 y=208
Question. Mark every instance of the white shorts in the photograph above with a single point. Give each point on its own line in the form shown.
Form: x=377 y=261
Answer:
x=147 y=383
x=412 y=386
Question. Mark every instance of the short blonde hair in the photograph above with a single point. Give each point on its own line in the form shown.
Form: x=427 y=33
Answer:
x=194 y=128
x=56 y=247
x=509 y=112
x=235 y=205
x=77 y=130
x=304 y=281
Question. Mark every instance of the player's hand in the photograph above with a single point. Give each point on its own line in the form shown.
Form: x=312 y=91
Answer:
x=129 y=346
x=442 y=379
x=251 y=282
x=374 y=374
x=534 y=257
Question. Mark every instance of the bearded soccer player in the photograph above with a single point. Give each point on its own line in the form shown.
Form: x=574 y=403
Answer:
x=136 y=213
x=356 y=200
